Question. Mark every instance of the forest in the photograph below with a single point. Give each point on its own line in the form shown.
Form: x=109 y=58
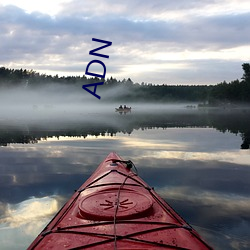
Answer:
x=224 y=93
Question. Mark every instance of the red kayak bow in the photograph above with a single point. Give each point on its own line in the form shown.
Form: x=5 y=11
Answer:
x=116 y=209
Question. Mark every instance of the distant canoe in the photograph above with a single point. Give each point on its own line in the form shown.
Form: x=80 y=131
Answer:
x=123 y=109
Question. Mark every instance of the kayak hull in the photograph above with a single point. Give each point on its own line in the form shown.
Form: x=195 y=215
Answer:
x=116 y=209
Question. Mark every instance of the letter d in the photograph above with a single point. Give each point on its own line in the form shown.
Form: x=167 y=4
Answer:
x=93 y=74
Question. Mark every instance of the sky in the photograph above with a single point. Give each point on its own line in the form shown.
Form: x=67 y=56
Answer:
x=159 y=42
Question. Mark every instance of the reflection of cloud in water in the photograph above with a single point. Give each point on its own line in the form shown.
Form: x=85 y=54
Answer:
x=29 y=212
x=227 y=240
x=152 y=144
x=237 y=157
x=226 y=216
x=228 y=203
x=22 y=222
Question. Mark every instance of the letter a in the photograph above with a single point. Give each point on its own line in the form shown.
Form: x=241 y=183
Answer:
x=93 y=74
x=91 y=92
x=92 y=52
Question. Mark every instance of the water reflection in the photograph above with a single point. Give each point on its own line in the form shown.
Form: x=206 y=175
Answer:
x=111 y=123
x=21 y=221
x=31 y=210
x=198 y=169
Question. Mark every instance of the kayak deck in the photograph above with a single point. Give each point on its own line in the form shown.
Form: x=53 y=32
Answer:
x=116 y=209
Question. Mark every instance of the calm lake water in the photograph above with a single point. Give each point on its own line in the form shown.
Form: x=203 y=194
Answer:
x=197 y=160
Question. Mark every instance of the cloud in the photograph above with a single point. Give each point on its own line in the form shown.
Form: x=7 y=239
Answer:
x=146 y=10
x=26 y=220
x=29 y=210
x=233 y=204
x=139 y=32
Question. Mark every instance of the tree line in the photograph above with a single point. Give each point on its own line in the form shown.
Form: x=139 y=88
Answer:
x=236 y=91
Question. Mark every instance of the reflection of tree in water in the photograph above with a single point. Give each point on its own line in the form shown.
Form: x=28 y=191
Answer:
x=246 y=141
x=237 y=122
x=16 y=137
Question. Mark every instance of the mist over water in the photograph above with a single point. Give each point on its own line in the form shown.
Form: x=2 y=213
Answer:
x=48 y=102
x=60 y=102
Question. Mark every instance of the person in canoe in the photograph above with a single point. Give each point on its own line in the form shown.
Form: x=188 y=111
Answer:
x=123 y=109
x=126 y=109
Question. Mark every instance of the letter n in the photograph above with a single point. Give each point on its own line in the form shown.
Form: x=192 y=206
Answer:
x=93 y=74
x=92 y=52
x=91 y=92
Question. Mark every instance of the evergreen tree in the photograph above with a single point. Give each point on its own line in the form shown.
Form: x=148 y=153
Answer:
x=246 y=69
